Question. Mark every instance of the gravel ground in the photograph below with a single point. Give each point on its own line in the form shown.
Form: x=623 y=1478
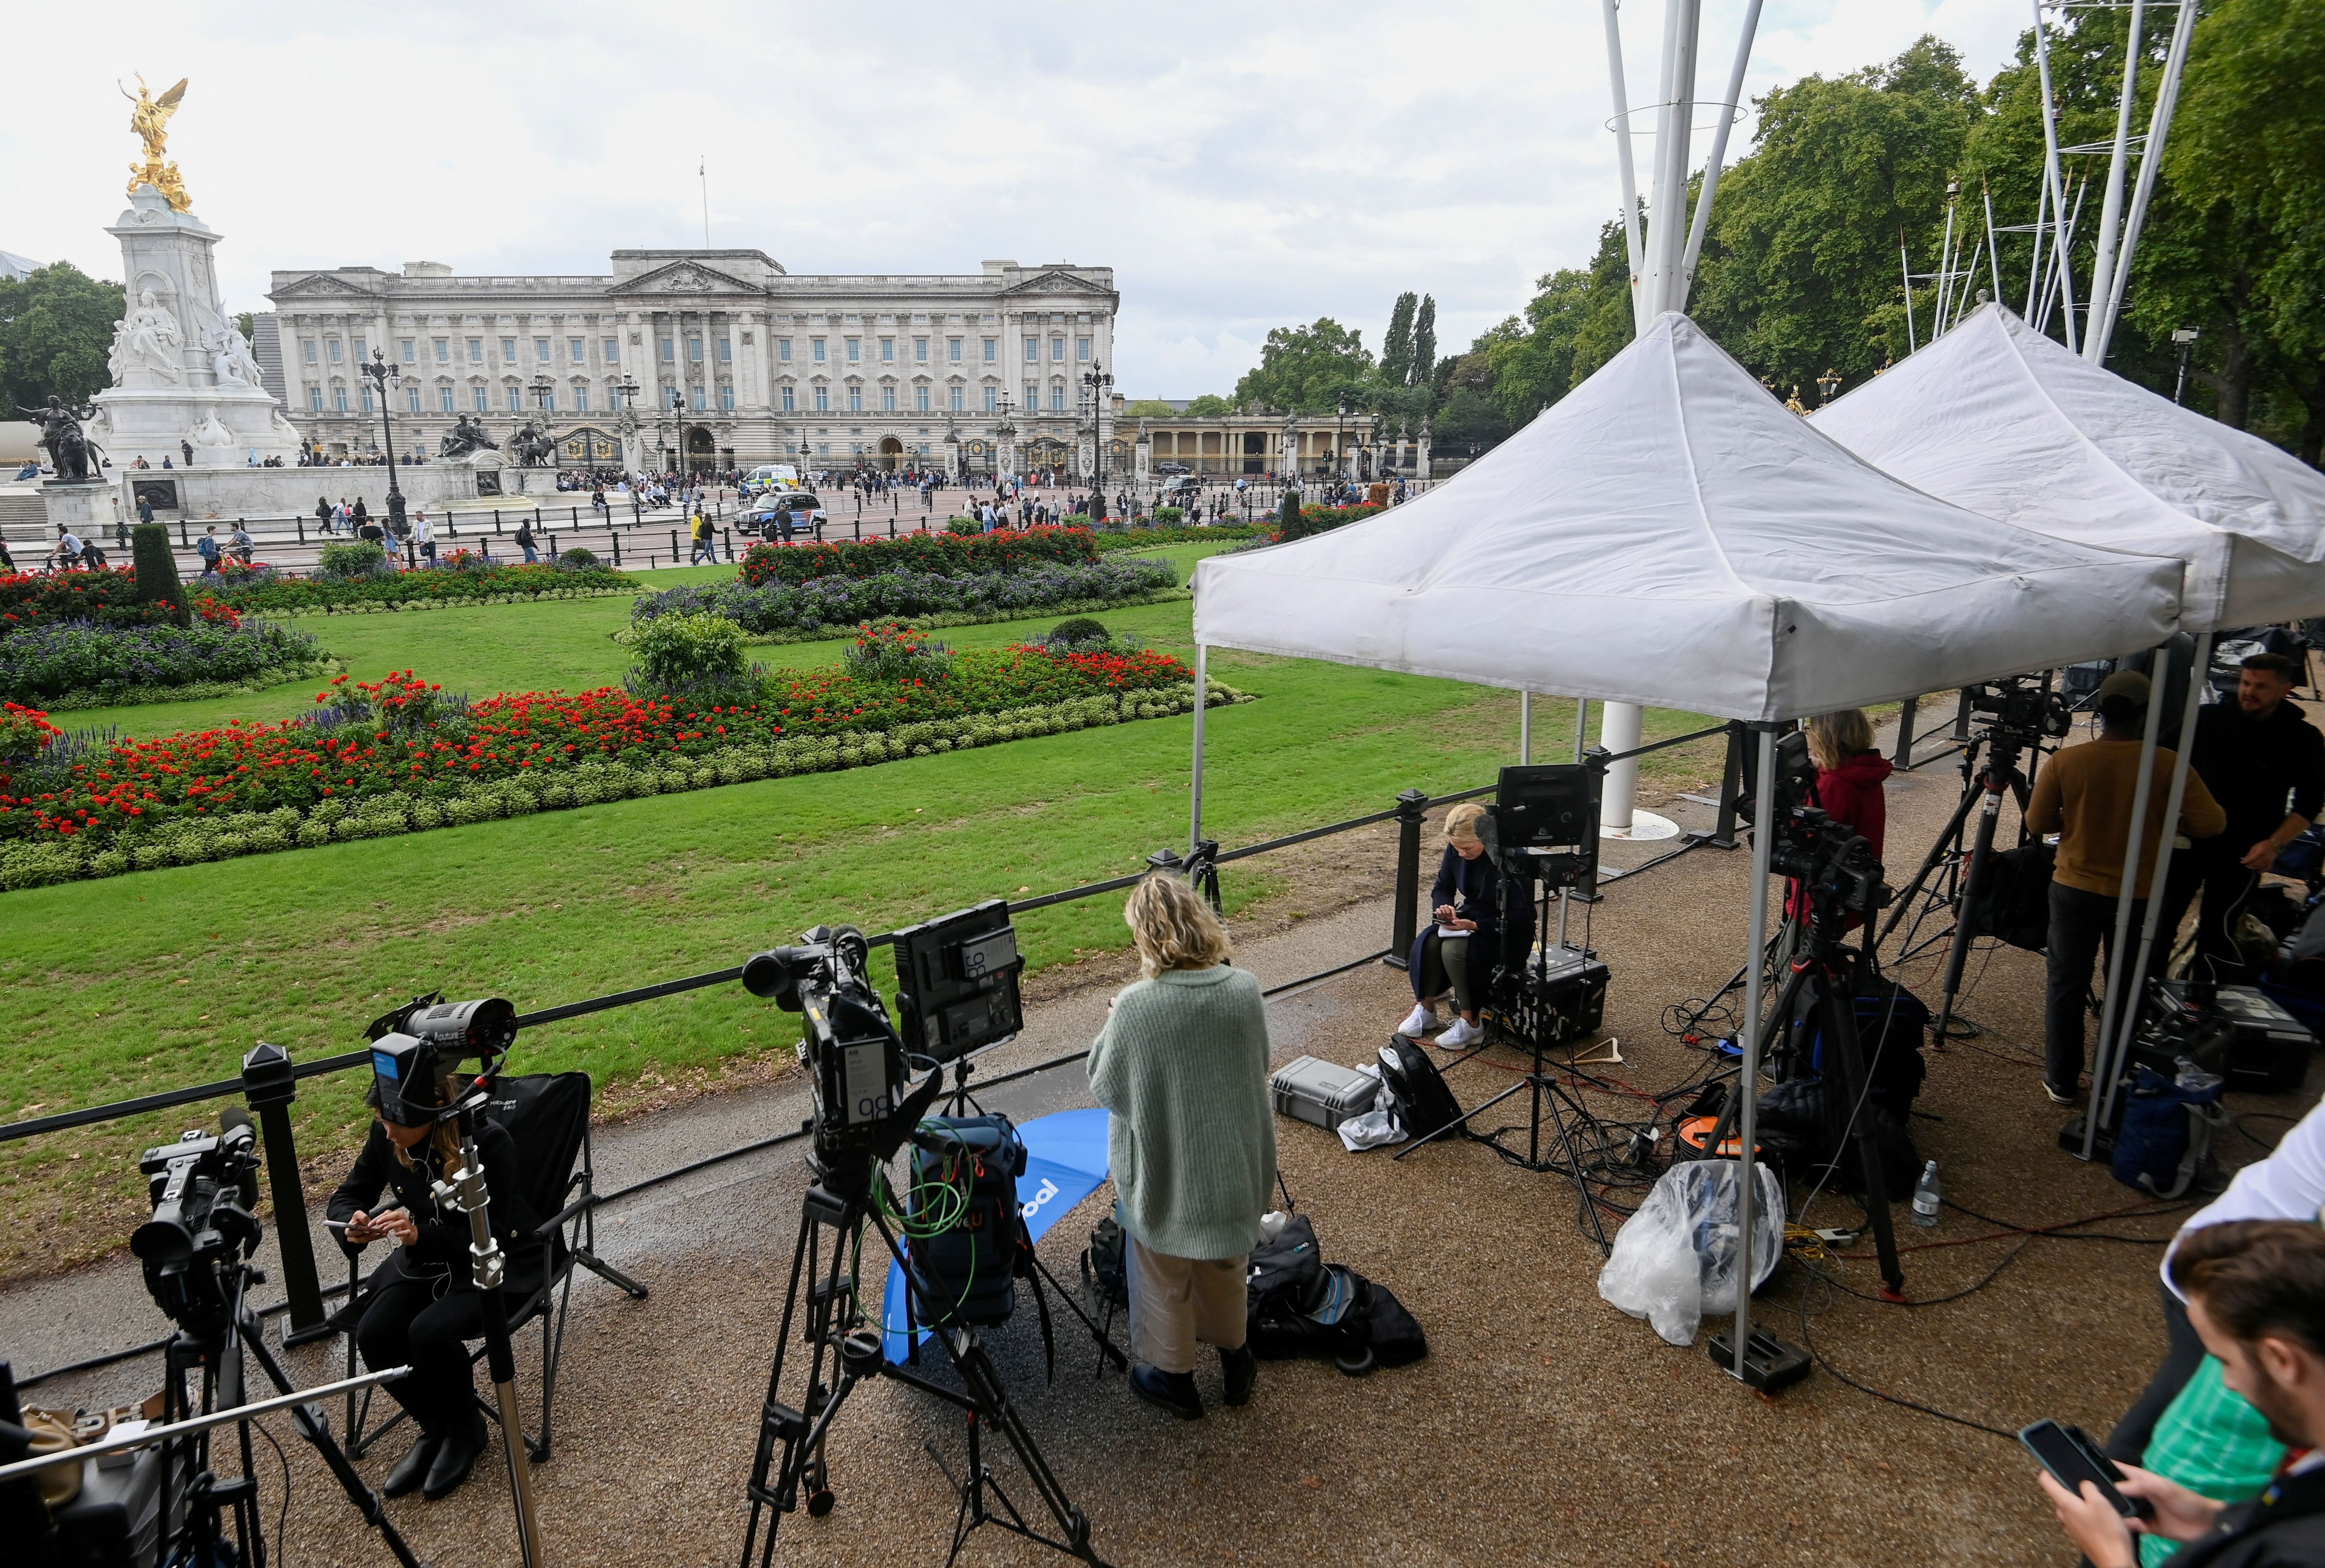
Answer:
x=1544 y=1426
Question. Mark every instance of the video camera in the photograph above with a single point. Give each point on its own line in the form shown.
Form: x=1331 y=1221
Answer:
x=2020 y=709
x=417 y=1044
x=203 y=1189
x=1834 y=861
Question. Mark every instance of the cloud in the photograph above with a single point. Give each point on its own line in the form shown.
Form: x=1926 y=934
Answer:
x=1239 y=167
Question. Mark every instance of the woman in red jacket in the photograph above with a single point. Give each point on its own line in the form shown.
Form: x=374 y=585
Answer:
x=1850 y=773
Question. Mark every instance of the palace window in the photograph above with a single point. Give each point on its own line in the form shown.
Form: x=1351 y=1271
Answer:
x=787 y=400
x=476 y=350
x=817 y=344
x=481 y=397
x=581 y=399
x=335 y=350
x=443 y=350
x=307 y=349
x=363 y=350
x=952 y=349
x=920 y=351
x=956 y=399
x=1033 y=398
x=315 y=399
x=508 y=350
x=701 y=400
x=339 y=398
x=444 y=398
x=613 y=351
x=822 y=400
x=856 y=399
x=1058 y=349
x=783 y=350
x=992 y=349
x=516 y=399
x=412 y=400
x=541 y=351
x=854 y=349
x=992 y=395
x=1082 y=347
x=668 y=351
x=727 y=398
x=548 y=402
x=726 y=350
x=823 y=449
x=580 y=354
x=694 y=349
x=921 y=398
x=367 y=397
x=1058 y=398
x=887 y=350
x=1032 y=350
x=411 y=348
x=888 y=399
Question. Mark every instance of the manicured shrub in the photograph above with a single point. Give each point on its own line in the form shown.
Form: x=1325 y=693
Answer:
x=886 y=651
x=682 y=650
x=104 y=663
x=964 y=525
x=1069 y=634
x=777 y=608
x=154 y=570
x=579 y=560
x=1169 y=517
x=349 y=560
x=944 y=554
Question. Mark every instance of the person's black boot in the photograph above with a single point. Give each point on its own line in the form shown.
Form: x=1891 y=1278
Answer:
x=1241 y=1367
x=1171 y=1391
x=414 y=1467
x=463 y=1446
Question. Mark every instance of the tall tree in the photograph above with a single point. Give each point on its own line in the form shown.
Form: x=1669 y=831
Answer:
x=1396 y=349
x=1424 y=340
x=1309 y=369
x=56 y=329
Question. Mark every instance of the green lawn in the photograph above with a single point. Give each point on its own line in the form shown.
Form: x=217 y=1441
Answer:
x=122 y=985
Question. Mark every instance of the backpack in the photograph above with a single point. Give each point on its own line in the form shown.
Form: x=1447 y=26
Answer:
x=1415 y=1089
x=1301 y=1305
x=2015 y=902
x=1891 y=1024
x=968 y=1270
x=1105 y=1265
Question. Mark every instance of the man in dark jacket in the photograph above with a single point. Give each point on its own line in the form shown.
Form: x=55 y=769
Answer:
x=2264 y=763
x=2255 y=1291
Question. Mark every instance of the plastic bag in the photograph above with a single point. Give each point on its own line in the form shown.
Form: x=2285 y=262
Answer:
x=1371 y=1130
x=1675 y=1260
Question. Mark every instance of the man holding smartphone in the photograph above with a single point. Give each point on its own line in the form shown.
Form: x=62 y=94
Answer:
x=2256 y=1294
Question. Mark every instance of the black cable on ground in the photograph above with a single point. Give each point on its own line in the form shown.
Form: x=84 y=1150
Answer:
x=1808 y=1343
x=283 y=1516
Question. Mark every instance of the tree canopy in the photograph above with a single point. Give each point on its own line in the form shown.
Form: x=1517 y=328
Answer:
x=1309 y=369
x=56 y=329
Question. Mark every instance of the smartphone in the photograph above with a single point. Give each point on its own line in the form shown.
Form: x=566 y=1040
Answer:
x=2071 y=1457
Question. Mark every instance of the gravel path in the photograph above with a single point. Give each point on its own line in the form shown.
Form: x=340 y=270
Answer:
x=1544 y=1426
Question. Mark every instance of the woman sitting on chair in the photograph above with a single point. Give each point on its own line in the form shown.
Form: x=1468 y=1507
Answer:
x=1456 y=953
x=424 y=1304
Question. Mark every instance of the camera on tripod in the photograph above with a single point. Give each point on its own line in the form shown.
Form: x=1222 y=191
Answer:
x=2023 y=709
x=203 y=1189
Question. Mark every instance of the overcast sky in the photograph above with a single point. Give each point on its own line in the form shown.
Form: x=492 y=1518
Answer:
x=1240 y=166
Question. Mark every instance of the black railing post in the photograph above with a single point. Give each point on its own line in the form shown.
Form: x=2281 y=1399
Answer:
x=673 y=547
x=1731 y=787
x=269 y=1089
x=1904 y=756
x=184 y=543
x=1411 y=806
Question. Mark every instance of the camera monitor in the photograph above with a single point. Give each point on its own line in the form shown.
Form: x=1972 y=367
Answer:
x=957 y=982
x=1544 y=824
x=1796 y=775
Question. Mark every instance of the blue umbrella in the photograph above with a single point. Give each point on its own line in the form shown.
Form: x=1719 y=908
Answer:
x=1065 y=1163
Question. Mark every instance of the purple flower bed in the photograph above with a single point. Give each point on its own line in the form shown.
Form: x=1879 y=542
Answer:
x=77 y=657
x=777 y=608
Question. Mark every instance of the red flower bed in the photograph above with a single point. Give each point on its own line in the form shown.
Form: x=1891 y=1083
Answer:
x=106 y=598
x=1009 y=552
x=401 y=736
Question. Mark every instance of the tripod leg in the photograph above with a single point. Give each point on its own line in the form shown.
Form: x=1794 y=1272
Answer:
x=1981 y=853
x=1949 y=844
x=316 y=1428
x=1840 y=1008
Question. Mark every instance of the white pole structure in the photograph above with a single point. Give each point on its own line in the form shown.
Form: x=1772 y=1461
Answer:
x=1581 y=726
x=2117 y=952
x=2151 y=160
x=1711 y=165
x=1525 y=729
x=2061 y=291
x=2034 y=278
x=1945 y=272
x=2110 y=1060
x=2051 y=169
x=1748 y=1082
x=1623 y=151
x=1905 y=266
x=2103 y=254
x=1664 y=245
x=1993 y=253
x=1202 y=706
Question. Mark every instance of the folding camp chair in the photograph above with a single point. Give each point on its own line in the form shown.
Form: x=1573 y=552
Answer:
x=547 y=1114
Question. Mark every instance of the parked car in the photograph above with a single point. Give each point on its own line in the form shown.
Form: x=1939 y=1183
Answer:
x=783 y=515
x=1172 y=468
x=1184 y=485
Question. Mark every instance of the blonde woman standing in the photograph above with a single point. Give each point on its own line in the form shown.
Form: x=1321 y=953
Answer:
x=1182 y=1067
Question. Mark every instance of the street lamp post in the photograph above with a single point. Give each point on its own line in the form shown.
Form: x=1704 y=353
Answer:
x=2186 y=338
x=1828 y=387
x=385 y=377
x=1341 y=439
x=1100 y=387
x=541 y=388
x=1005 y=437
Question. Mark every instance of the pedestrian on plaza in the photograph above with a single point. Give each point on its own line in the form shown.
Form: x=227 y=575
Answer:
x=359 y=516
x=1181 y=1066
x=2084 y=796
x=2256 y=753
x=187 y=447
x=144 y=508
x=207 y=547
x=704 y=549
x=323 y=513
x=424 y=533
x=525 y=540
x=243 y=551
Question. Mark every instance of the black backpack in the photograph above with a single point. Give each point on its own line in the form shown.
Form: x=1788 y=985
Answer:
x=1301 y=1305
x=2015 y=904
x=1416 y=1090
x=967 y=1272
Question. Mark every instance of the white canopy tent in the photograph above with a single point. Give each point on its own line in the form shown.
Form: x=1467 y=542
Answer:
x=2000 y=420
x=1670 y=534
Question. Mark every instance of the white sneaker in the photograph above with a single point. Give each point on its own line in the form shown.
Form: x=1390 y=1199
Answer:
x=1461 y=1035
x=1416 y=1021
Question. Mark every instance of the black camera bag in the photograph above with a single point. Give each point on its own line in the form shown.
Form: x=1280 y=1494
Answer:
x=966 y=1272
x=1416 y=1090
x=2015 y=904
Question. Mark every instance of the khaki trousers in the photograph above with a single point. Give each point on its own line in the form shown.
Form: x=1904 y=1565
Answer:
x=1175 y=1302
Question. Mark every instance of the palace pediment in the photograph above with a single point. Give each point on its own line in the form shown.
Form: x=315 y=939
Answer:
x=685 y=277
x=322 y=286
x=1057 y=282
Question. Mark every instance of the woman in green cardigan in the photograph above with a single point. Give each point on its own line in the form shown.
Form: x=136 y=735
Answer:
x=1183 y=1066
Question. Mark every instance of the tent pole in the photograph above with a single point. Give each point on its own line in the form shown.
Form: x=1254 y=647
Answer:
x=2103 y=254
x=1525 y=729
x=1993 y=256
x=1581 y=725
x=1905 y=267
x=2150 y=159
x=2117 y=954
x=2171 y=804
x=1755 y=961
x=2051 y=171
x=1945 y=272
x=1202 y=706
x=1623 y=161
x=1618 y=731
x=2034 y=262
x=1702 y=220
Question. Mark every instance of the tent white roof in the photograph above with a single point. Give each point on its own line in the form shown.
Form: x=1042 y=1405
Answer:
x=1668 y=533
x=1998 y=419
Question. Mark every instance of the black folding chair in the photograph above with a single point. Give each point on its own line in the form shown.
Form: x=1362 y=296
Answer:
x=547 y=1116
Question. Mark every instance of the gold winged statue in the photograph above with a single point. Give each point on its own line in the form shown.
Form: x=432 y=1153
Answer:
x=149 y=121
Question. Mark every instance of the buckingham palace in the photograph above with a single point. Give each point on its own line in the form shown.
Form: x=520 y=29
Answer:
x=720 y=356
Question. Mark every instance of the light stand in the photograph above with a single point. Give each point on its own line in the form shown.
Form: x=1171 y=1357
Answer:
x=2186 y=338
x=385 y=377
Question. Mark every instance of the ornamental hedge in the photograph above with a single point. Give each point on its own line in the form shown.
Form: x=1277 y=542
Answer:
x=945 y=554
x=459 y=578
x=105 y=598
x=773 y=607
x=1112 y=538
x=402 y=756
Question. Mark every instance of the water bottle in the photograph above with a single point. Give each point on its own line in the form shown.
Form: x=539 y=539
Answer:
x=1925 y=1196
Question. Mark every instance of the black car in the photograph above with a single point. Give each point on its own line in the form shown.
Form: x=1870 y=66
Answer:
x=785 y=514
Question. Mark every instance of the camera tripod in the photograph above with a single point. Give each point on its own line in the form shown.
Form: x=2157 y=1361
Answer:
x=1963 y=873
x=185 y=1462
x=837 y=1330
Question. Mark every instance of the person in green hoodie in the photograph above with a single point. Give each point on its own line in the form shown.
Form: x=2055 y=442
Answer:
x=1182 y=1067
